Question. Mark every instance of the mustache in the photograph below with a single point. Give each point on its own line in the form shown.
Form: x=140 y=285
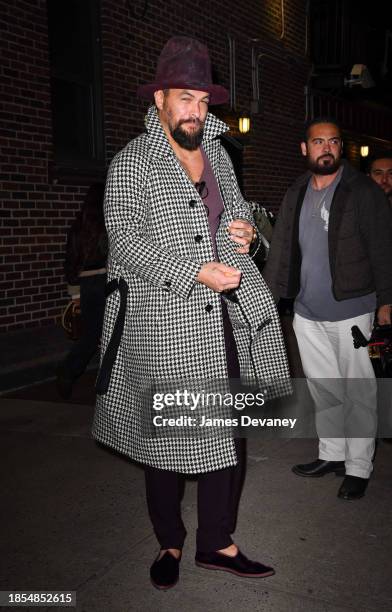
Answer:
x=194 y=121
x=326 y=155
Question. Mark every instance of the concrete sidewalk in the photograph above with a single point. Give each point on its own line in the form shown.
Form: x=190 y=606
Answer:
x=31 y=355
x=74 y=518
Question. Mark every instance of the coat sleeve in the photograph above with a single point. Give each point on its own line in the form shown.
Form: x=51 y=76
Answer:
x=240 y=208
x=126 y=212
x=375 y=220
x=273 y=269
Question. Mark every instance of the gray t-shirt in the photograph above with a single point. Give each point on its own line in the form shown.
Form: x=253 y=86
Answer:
x=315 y=300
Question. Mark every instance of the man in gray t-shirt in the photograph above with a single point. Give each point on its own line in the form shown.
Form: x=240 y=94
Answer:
x=330 y=248
x=315 y=300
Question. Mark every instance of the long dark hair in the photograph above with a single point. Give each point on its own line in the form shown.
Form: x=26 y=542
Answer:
x=88 y=234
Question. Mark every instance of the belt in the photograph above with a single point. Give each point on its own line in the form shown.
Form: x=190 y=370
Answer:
x=107 y=363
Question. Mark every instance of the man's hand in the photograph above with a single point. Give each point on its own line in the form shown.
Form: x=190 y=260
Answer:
x=384 y=315
x=219 y=277
x=242 y=233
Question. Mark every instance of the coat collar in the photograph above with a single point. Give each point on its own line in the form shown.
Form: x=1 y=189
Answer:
x=159 y=144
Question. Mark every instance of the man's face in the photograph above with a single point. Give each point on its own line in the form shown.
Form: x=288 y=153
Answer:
x=323 y=148
x=381 y=172
x=183 y=112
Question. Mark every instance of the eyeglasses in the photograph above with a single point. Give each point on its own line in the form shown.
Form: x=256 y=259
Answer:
x=201 y=189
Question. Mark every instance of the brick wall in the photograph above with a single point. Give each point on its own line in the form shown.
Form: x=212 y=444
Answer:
x=35 y=212
x=131 y=47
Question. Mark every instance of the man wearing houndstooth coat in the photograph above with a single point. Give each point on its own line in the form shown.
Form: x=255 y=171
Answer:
x=163 y=319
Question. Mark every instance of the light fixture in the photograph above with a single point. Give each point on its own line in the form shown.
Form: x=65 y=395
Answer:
x=244 y=125
x=360 y=75
x=364 y=151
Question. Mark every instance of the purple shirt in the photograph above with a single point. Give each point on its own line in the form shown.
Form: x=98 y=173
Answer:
x=213 y=203
x=212 y=200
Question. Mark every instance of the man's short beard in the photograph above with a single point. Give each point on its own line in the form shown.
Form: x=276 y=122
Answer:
x=188 y=140
x=323 y=170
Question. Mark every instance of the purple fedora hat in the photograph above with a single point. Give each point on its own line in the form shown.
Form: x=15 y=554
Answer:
x=184 y=63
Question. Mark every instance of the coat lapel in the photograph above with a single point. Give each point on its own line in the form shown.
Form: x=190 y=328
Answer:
x=338 y=205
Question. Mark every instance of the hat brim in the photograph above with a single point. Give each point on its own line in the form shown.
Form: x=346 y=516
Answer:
x=218 y=94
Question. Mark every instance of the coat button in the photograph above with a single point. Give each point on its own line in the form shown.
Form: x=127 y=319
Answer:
x=198 y=238
x=192 y=203
x=209 y=307
x=264 y=323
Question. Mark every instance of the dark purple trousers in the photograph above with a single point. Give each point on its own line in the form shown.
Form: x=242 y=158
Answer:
x=218 y=493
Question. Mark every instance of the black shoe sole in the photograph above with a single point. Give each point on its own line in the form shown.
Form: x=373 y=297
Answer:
x=351 y=498
x=337 y=472
x=163 y=587
x=232 y=571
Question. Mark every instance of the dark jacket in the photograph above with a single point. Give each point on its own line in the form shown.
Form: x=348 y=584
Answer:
x=359 y=239
x=78 y=260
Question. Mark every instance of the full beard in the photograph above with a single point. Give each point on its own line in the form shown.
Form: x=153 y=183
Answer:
x=319 y=167
x=188 y=140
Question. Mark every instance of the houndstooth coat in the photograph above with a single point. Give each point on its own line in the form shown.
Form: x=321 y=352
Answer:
x=159 y=237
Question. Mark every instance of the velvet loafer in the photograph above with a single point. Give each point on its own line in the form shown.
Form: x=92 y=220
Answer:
x=319 y=468
x=164 y=572
x=353 y=487
x=238 y=565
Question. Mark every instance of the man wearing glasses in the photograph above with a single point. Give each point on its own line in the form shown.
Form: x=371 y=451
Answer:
x=331 y=250
x=185 y=300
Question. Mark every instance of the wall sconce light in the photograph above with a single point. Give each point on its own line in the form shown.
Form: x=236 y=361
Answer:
x=244 y=125
x=364 y=151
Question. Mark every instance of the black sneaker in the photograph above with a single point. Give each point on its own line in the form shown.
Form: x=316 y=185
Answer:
x=165 y=571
